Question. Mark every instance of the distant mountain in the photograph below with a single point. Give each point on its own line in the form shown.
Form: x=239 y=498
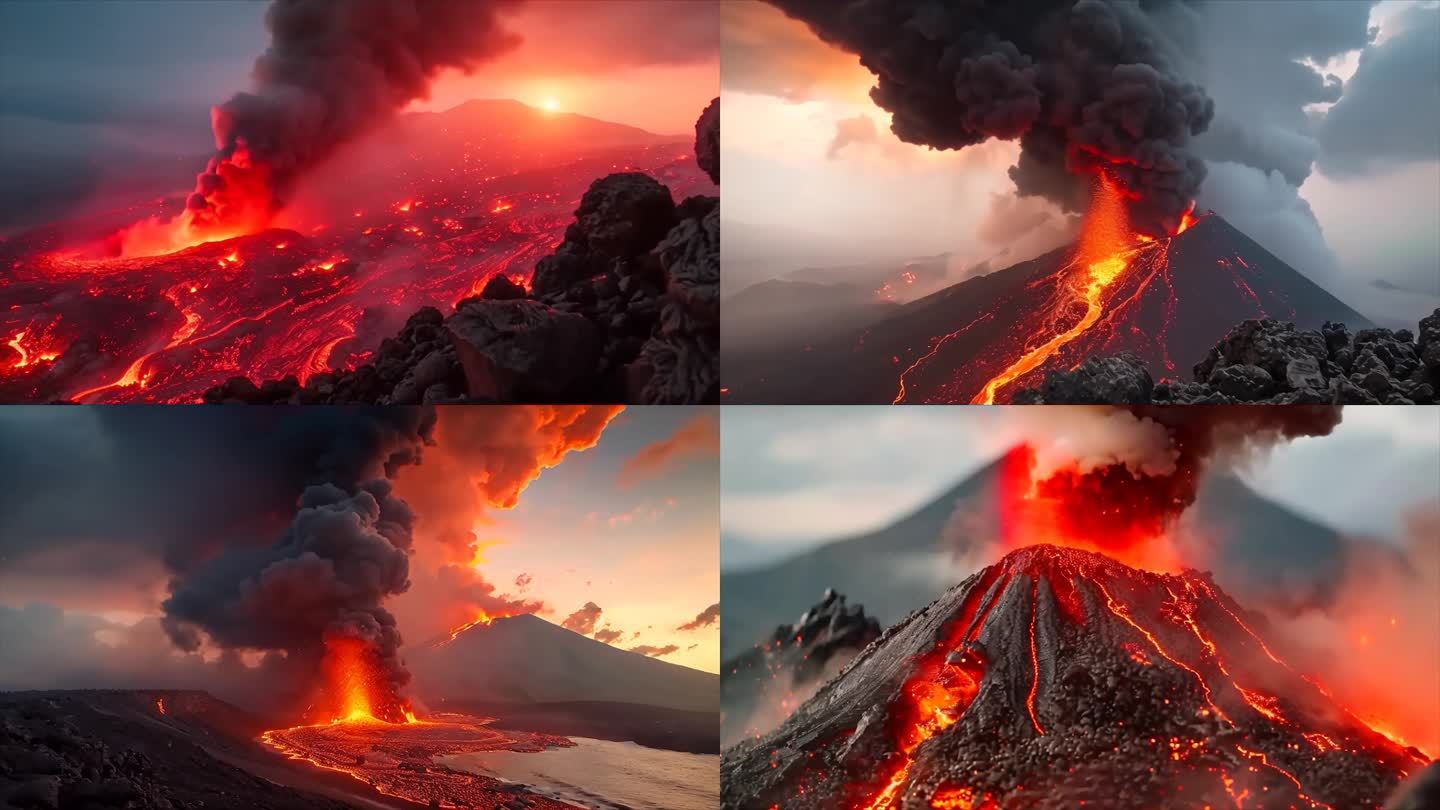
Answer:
x=1172 y=302
x=1266 y=554
x=497 y=123
x=527 y=660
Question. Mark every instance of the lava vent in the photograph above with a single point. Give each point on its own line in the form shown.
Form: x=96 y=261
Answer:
x=1060 y=678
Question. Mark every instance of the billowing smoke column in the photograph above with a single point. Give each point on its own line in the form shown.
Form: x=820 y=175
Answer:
x=1116 y=479
x=332 y=71
x=316 y=593
x=1088 y=87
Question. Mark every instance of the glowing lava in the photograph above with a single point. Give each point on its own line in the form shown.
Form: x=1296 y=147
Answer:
x=185 y=313
x=356 y=689
x=1106 y=245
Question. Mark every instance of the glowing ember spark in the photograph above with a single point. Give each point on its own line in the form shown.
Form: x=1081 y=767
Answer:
x=501 y=206
x=160 y=705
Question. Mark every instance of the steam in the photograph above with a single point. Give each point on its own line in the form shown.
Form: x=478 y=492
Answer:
x=1149 y=461
x=1087 y=88
x=332 y=71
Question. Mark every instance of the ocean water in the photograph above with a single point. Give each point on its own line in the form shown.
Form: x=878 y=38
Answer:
x=606 y=775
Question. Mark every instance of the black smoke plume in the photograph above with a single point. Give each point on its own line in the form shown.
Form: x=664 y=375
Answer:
x=333 y=70
x=345 y=550
x=1087 y=86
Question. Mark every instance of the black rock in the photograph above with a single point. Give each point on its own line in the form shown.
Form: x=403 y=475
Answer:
x=707 y=141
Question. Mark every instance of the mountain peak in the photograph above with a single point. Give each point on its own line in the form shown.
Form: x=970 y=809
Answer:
x=1063 y=674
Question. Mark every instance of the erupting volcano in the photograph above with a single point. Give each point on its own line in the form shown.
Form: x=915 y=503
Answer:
x=482 y=191
x=1059 y=677
x=1165 y=300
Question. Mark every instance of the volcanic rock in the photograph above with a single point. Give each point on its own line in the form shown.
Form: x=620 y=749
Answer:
x=512 y=350
x=1099 y=380
x=626 y=309
x=501 y=288
x=1267 y=361
x=114 y=749
x=707 y=141
x=1060 y=678
x=759 y=687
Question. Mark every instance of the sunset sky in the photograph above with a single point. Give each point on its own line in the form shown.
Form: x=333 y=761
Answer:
x=102 y=509
x=814 y=175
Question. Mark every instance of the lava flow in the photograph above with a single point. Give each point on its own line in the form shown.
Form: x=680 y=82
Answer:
x=163 y=309
x=1107 y=249
x=1060 y=678
x=366 y=730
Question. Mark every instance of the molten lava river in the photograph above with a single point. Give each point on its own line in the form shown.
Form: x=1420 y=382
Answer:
x=399 y=759
x=80 y=320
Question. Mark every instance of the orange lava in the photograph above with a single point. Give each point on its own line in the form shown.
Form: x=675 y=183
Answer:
x=160 y=705
x=355 y=687
x=402 y=759
x=482 y=619
x=1105 y=246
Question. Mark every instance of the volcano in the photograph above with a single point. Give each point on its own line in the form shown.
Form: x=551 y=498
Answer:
x=1060 y=678
x=421 y=213
x=1166 y=301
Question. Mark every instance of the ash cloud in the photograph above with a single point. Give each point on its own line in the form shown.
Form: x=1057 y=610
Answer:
x=522 y=581
x=583 y=621
x=1093 y=86
x=1390 y=112
x=655 y=652
x=333 y=71
x=608 y=635
x=709 y=617
x=697 y=438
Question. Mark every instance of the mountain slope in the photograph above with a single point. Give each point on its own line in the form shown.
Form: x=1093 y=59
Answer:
x=1060 y=678
x=1174 y=301
x=525 y=659
x=903 y=566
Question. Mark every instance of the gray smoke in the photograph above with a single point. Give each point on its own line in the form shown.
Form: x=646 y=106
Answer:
x=1087 y=86
x=332 y=71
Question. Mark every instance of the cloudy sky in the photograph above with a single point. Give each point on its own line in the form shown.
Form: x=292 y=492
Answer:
x=1325 y=148
x=797 y=476
x=93 y=91
x=102 y=510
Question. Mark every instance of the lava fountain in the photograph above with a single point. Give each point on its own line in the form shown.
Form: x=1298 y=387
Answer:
x=1106 y=250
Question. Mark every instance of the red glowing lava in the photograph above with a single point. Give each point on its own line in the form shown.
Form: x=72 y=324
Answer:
x=1108 y=509
x=356 y=689
x=405 y=760
x=1180 y=622
x=178 y=312
x=245 y=206
x=1104 y=254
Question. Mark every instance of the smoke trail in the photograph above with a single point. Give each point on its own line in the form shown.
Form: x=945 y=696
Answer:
x=1086 y=86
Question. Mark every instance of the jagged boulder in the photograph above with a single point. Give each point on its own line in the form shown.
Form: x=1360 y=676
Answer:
x=521 y=350
x=1122 y=379
x=1268 y=361
x=707 y=141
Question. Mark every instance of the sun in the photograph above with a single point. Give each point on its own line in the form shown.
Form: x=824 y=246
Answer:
x=549 y=104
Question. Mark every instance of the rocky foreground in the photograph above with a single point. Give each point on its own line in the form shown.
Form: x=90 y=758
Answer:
x=1270 y=362
x=113 y=749
x=627 y=309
